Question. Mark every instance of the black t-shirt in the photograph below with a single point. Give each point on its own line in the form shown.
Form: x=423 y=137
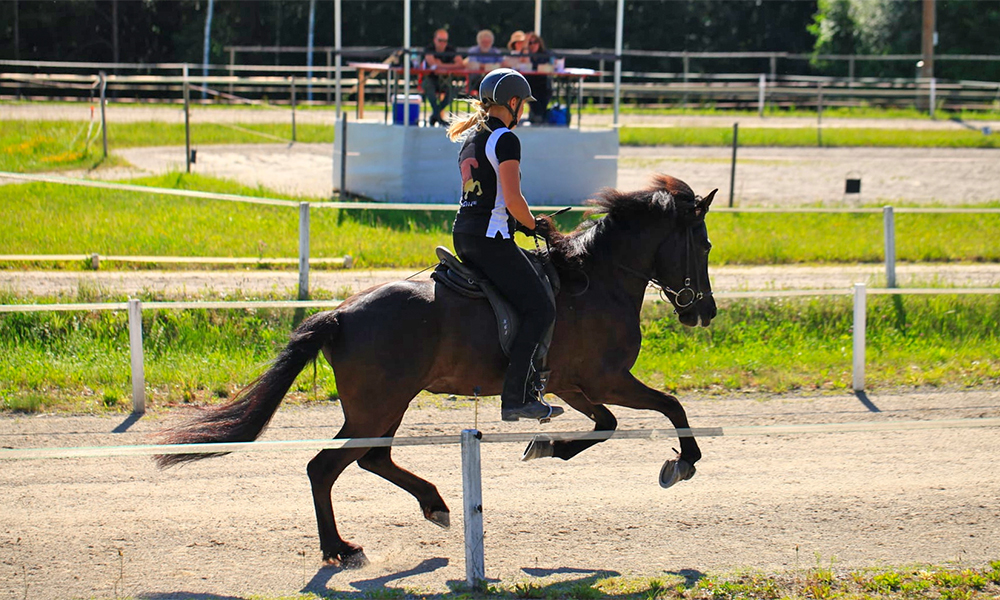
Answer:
x=448 y=57
x=483 y=210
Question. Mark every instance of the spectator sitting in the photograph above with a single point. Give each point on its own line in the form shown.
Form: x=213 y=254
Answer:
x=483 y=57
x=541 y=85
x=518 y=50
x=439 y=55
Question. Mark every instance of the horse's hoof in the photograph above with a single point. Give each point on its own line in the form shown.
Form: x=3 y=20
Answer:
x=356 y=560
x=540 y=447
x=674 y=470
x=441 y=518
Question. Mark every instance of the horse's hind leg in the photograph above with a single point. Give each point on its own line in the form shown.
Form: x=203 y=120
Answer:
x=323 y=470
x=379 y=461
x=542 y=447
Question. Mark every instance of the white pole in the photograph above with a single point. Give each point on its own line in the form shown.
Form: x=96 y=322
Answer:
x=208 y=47
x=310 y=38
x=135 y=352
x=889 y=227
x=338 y=44
x=619 y=33
x=859 y=337
x=538 y=17
x=304 y=250
x=761 y=85
x=406 y=62
x=472 y=494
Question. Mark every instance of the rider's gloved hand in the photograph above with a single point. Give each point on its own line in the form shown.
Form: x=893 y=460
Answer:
x=519 y=226
x=543 y=227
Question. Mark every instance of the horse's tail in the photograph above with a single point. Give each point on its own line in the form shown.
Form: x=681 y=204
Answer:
x=245 y=418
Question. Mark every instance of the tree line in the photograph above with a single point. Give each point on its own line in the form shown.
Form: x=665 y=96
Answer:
x=149 y=31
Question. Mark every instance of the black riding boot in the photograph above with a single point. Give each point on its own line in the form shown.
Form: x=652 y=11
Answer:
x=521 y=396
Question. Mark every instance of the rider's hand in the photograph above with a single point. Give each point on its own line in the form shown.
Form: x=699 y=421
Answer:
x=543 y=227
x=519 y=226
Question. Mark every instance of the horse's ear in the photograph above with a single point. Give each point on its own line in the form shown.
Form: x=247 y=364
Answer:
x=705 y=203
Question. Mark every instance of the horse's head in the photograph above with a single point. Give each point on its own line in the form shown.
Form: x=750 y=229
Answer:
x=680 y=266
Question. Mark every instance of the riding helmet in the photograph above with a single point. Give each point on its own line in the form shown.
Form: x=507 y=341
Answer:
x=500 y=85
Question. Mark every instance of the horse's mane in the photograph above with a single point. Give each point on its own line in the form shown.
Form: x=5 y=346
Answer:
x=621 y=210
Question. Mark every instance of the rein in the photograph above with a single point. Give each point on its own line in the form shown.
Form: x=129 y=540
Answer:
x=686 y=296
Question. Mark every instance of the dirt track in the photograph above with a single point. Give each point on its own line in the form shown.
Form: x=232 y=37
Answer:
x=244 y=524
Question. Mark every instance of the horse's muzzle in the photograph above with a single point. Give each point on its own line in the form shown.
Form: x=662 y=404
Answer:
x=700 y=313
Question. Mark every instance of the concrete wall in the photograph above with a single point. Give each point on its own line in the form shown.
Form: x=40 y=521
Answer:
x=559 y=165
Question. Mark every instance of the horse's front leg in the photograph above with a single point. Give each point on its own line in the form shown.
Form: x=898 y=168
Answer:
x=629 y=392
x=543 y=447
x=379 y=461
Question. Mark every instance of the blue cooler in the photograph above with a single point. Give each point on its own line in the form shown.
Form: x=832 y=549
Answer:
x=414 y=108
x=559 y=115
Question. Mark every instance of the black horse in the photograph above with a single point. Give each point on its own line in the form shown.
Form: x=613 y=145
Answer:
x=388 y=343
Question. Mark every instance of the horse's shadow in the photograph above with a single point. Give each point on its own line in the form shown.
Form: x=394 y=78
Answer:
x=317 y=585
x=184 y=596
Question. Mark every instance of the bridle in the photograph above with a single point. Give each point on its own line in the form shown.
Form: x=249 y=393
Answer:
x=687 y=296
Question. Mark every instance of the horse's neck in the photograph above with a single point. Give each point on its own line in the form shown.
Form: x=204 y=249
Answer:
x=628 y=266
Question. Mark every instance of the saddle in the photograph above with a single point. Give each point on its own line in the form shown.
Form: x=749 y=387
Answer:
x=471 y=283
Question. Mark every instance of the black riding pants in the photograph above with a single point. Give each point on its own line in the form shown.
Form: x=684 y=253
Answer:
x=509 y=269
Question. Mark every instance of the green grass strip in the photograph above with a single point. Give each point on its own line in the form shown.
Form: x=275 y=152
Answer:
x=832 y=137
x=45 y=218
x=79 y=360
x=32 y=146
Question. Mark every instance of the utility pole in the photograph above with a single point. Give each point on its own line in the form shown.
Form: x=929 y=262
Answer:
x=928 y=39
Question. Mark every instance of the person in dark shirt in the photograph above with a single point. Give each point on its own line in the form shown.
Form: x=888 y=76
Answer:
x=541 y=85
x=492 y=208
x=439 y=55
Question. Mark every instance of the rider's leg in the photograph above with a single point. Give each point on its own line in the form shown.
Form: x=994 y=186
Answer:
x=511 y=272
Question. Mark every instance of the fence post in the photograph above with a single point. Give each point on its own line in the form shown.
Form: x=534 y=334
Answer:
x=732 y=169
x=933 y=98
x=858 y=382
x=472 y=495
x=889 y=226
x=293 y=107
x=761 y=86
x=135 y=352
x=187 y=120
x=303 y=251
x=104 y=120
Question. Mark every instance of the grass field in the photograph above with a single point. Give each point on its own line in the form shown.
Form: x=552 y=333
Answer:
x=79 y=360
x=52 y=219
x=820 y=583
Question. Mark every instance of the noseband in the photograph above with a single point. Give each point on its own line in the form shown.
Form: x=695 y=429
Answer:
x=685 y=297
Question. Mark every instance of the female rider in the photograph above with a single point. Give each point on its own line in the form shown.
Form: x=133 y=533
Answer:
x=492 y=209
